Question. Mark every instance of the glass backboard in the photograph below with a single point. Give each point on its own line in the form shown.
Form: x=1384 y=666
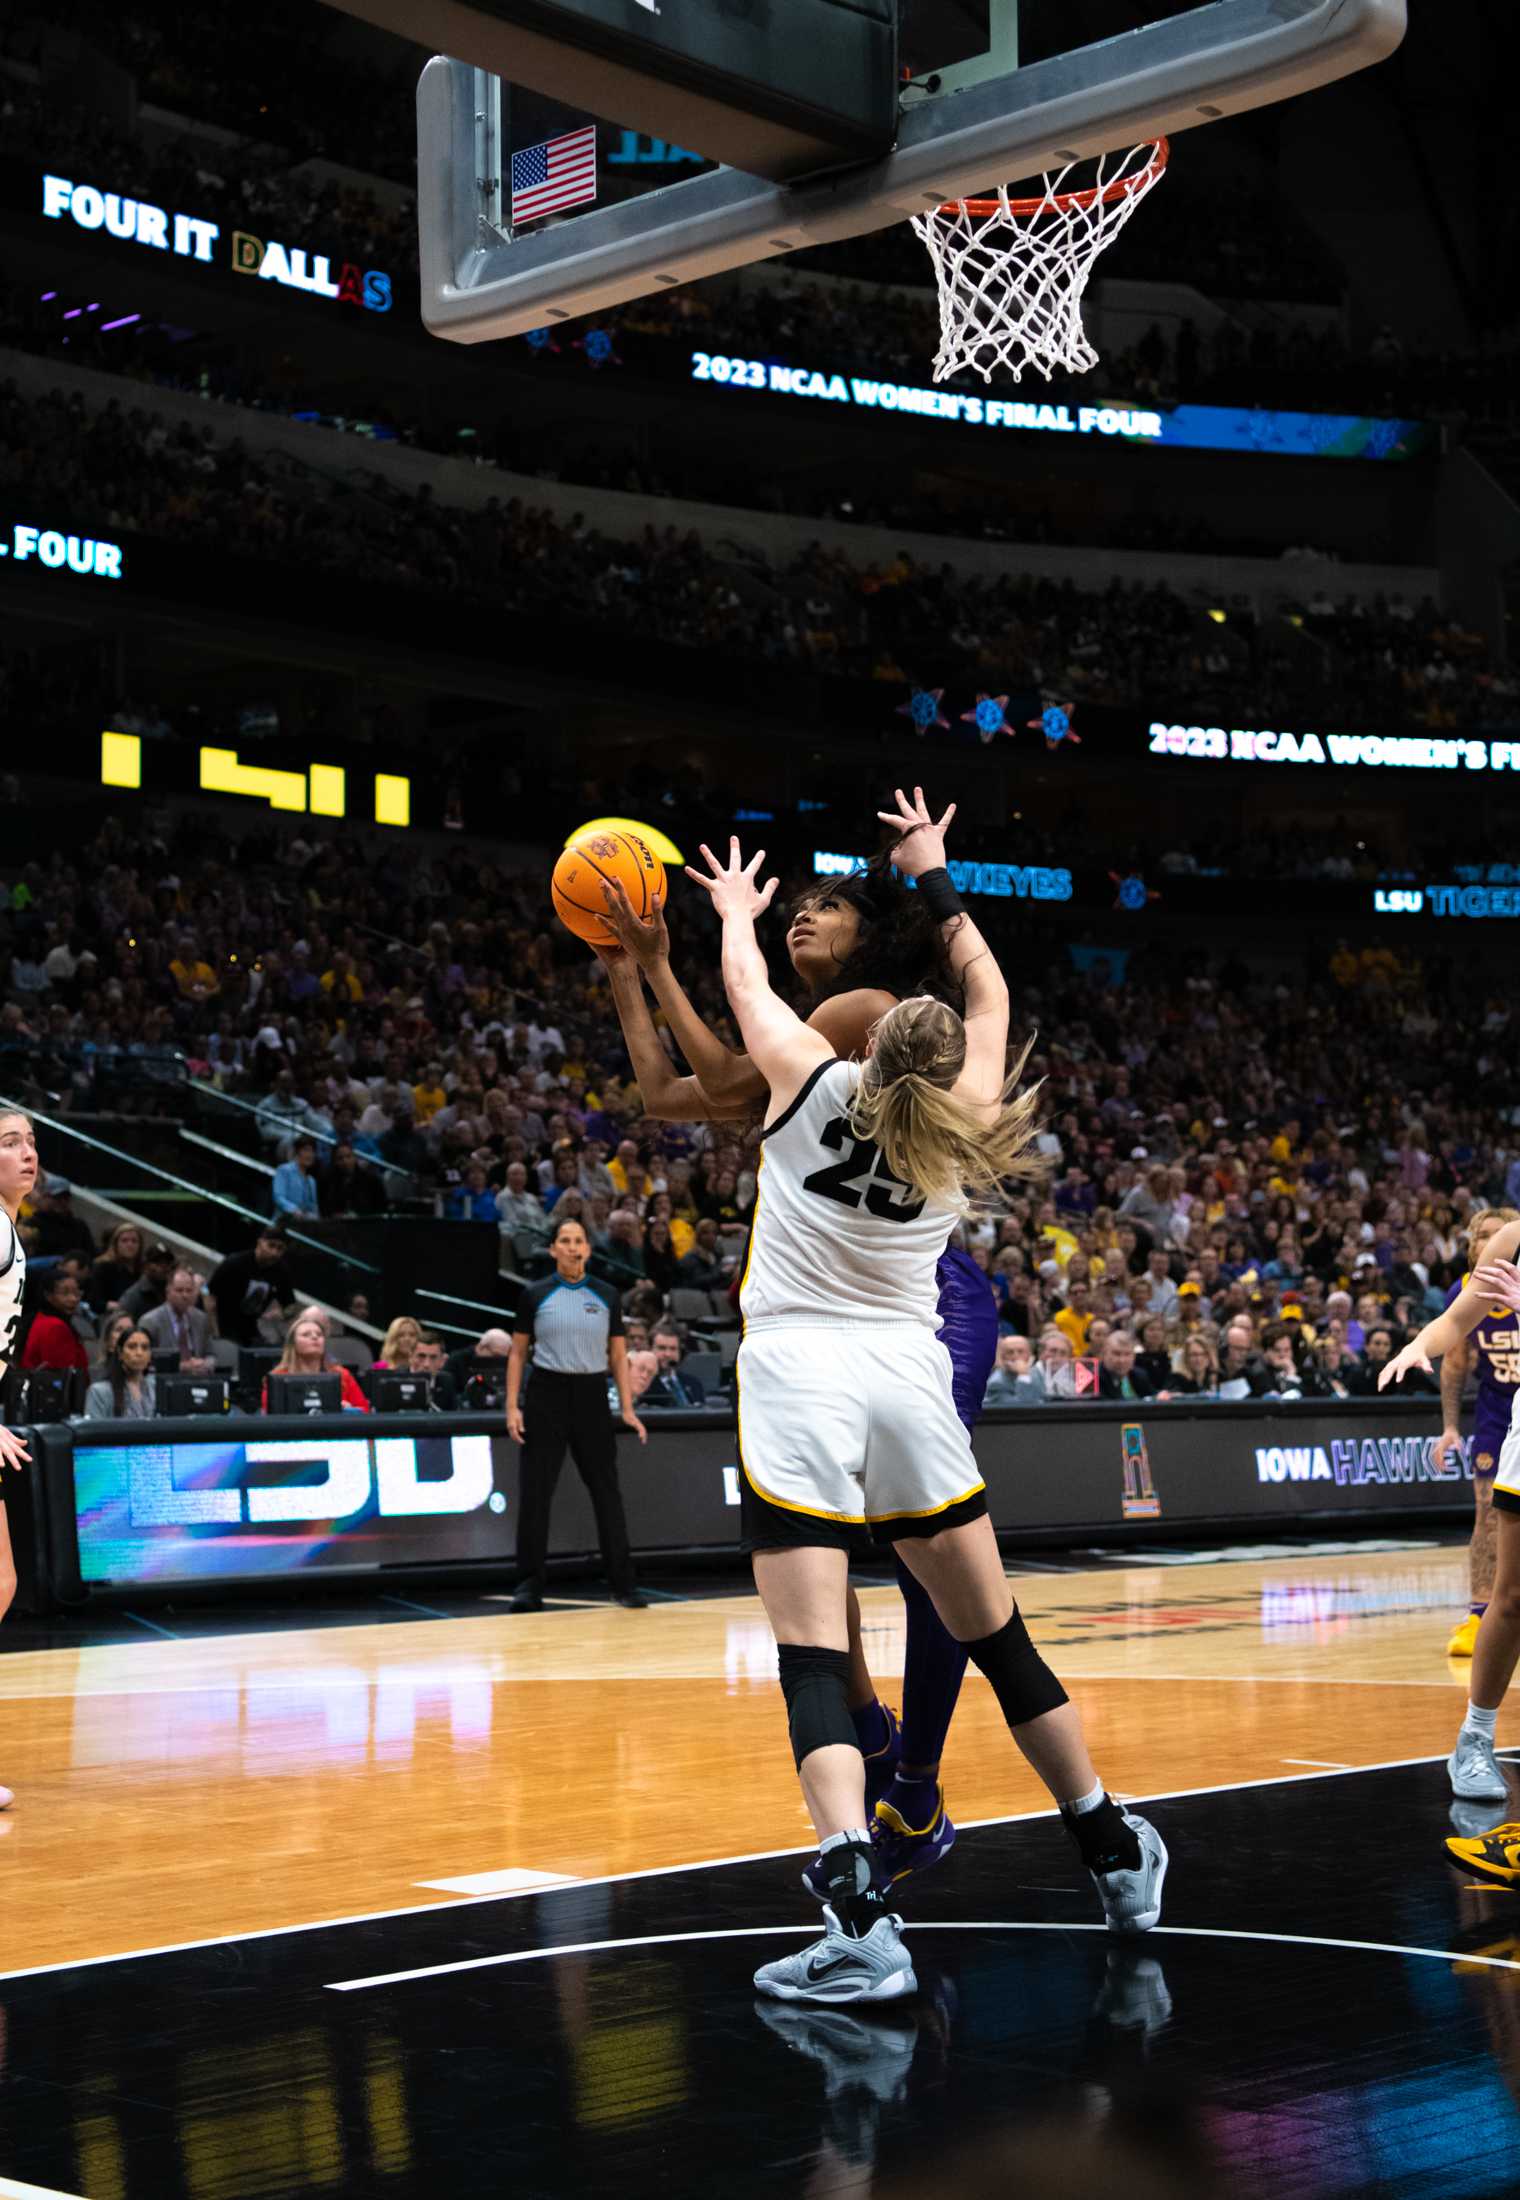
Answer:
x=991 y=91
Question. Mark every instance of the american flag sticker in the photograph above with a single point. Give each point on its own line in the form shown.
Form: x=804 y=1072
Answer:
x=549 y=177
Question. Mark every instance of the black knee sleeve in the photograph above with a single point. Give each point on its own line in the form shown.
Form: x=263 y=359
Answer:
x=816 y=1685
x=1021 y=1680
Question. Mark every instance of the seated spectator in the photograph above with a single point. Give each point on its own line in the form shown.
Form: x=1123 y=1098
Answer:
x=283 y=1115
x=1241 y=1374
x=1154 y=1360
x=428 y=1095
x=643 y=1367
x=141 y=1297
x=400 y=1343
x=355 y=1310
x=492 y=1344
x=117 y=1268
x=52 y=1340
x=347 y=1187
x=56 y=1229
x=1012 y=1381
x=1194 y=1371
x=126 y=1391
x=1118 y=1375
x=1377 y=1350
x=295 y=1182
x=1075 y=1317
x=245 y=1286
x=705 y=1268
x=305 y=1353
x=1053 y=1372
x=670 y=1387
x=1294 y=1371
x=472 y=1200
x=519 y=1209
x=622 y=1258
x=1163 y=1289
x=661 y=1264
x=179 y=1325
x=428 y=1359
x=114 y=1327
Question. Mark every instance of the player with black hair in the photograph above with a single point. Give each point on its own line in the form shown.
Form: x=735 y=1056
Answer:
x=860 y=944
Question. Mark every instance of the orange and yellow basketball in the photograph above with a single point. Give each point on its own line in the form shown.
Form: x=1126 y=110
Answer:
x=589 y=865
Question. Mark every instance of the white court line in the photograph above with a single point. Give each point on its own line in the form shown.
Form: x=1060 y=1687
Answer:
x=508 y=1881
x=1322 y=1764
x=665 y=1871
x=949 y=1925
x=11 y=2190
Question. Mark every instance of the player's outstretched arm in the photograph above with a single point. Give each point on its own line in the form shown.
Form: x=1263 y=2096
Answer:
x=918 y=853
x=726 y=1076
x=1460 y=1318
x=782 y=1047
x=726 y=1085
x=666 y=1094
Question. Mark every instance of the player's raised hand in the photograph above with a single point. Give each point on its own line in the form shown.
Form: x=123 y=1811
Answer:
x=1498 y=1280
x=735 y=887
x=646 y=941
x=920 y=844
x=1396 y=1369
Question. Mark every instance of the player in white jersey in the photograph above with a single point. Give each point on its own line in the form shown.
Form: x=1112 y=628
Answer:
x=846 y=1414
x=1492 y=1855
x=18 y=1173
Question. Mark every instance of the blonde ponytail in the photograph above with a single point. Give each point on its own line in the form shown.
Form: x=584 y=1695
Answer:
x=945 y=1148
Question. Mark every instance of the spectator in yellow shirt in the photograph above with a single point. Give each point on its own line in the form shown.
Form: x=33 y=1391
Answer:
x=342 y=981
x=196 y=979
x=1075 y=1318
x=428 y=1095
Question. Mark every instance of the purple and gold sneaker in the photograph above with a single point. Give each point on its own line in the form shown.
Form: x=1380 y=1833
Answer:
x=903 y=1848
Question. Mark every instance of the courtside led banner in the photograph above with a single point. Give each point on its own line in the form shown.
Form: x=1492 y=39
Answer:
x=192 y=238
x=1005 y=881
x=1175 y=427
x=1355 y=751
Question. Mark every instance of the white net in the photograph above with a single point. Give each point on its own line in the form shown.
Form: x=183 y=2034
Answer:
x=1011 y=271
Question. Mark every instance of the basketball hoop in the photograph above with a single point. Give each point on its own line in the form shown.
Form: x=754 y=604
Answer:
x=1012 y=272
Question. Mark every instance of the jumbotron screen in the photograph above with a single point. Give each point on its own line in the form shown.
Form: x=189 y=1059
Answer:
x=238 y=1507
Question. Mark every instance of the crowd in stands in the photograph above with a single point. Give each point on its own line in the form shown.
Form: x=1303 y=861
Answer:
x=1255 y=1187
x=118 y=470
x=289 y=76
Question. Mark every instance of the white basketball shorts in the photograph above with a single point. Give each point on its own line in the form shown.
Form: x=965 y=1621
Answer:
x=848 y=1425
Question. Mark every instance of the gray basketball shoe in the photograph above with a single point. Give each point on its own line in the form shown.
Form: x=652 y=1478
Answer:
x=1132 y=1899
x=840 y=1968
x=1474 y=1769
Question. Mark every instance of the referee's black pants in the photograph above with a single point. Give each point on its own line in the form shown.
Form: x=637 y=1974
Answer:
x=561 y=1410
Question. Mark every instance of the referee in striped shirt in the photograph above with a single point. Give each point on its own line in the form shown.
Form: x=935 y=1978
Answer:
x=574 y=1322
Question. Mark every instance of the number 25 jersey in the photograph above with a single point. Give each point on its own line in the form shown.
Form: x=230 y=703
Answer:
x=837 y=1239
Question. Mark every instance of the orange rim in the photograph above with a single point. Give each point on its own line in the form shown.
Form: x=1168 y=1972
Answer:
x=1120 y=188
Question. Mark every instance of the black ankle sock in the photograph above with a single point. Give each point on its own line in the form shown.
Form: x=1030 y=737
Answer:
x=1106 y=1843
x=853 y=1895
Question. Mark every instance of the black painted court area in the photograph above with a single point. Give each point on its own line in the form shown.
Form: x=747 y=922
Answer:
x=1288 y=2069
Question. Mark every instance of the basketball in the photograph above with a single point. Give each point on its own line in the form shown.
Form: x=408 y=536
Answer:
x=592 y=863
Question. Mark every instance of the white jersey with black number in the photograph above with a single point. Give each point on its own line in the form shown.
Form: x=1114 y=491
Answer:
x=836 y=1237
x=12 y=1284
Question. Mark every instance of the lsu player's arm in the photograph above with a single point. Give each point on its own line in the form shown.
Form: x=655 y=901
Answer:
x=1460 y=1319
x=782 y=1047
x=666 y=1094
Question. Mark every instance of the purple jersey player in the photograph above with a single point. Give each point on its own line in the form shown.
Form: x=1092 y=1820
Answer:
x=1492 y=1353
x=859 y=944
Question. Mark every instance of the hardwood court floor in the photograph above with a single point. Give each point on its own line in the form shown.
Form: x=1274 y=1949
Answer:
x=173 y=1791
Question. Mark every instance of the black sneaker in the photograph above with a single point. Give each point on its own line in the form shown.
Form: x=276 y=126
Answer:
x=529 y=1597
x=632 y=1600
